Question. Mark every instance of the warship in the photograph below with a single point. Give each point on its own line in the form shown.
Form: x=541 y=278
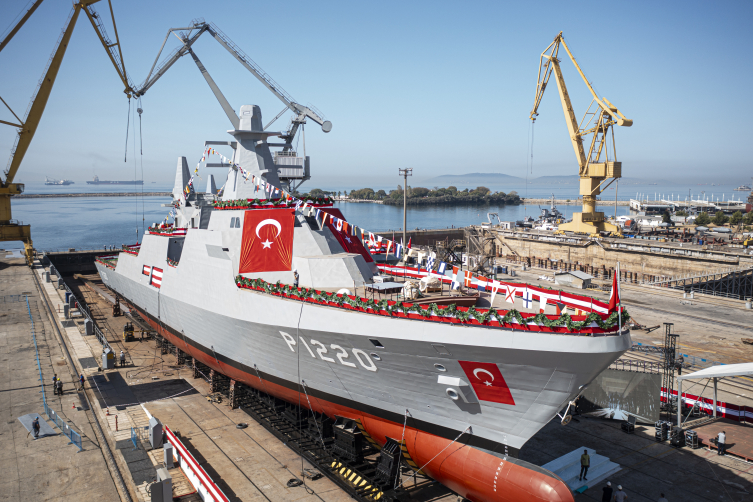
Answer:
x=257 y=286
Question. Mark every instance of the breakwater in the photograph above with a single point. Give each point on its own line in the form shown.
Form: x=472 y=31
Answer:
x=102 y=194
x=574 y=202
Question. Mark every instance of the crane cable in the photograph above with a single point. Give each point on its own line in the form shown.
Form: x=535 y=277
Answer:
x=141 y=151
x=128 y=127
x=135 y=175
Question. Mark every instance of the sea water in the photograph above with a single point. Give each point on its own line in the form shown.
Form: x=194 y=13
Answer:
x=61 y=223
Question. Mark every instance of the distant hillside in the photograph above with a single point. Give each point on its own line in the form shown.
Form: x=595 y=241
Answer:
x=500 y=178
x=474 y=178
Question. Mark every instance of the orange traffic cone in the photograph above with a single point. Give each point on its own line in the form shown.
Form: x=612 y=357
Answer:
x=73 y=405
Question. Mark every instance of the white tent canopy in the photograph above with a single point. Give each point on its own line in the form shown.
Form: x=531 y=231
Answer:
x=725 y=370
x=714 y=372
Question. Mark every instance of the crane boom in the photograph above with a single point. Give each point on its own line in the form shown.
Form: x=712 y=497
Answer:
x=19 y=24
x=599 y=163
x=188 y=39
x=10 y=230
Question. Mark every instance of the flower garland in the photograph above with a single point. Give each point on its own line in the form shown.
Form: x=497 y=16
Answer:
x=463 y=314
x=265 y=203
x=107 y=262
x=131 y=250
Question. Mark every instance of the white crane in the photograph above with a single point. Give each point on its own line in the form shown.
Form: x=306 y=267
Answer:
x=189 y=35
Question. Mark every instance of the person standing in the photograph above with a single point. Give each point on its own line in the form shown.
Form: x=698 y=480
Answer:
x=59 y=387
x=585 y=462
x=296 y=277
x=35 y=427
x=721 y=443
x=81 y=380
x=620 y=496
x=122 y=358
x=55 y=384
x=606 y=495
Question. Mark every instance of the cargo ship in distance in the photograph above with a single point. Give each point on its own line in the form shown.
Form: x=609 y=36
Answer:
x=52 y=181
x=97 y=181
x=460 y=388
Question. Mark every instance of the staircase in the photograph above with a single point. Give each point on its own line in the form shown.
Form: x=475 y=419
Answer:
x=567 y=467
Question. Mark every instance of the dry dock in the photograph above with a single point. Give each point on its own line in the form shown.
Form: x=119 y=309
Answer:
x=253 y=463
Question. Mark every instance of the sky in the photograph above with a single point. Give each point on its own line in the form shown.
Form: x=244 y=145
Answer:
x=442 y=87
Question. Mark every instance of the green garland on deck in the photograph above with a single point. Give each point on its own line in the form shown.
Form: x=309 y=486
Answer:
x=433 y=309
x=241 y=203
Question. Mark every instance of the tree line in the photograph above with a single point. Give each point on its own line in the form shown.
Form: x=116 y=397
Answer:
x=424 y=196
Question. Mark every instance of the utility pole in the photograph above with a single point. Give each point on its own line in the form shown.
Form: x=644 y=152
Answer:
x=405 y=173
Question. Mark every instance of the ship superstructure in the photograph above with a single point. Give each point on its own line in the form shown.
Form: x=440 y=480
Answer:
x=462 y=389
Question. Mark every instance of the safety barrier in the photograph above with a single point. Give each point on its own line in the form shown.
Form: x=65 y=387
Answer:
x=197 y=476
x=75 y=437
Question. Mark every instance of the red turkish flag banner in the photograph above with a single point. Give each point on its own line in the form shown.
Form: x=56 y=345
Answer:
x=348 y=242
x=267 y=244
x=614 y=296
x=488 y=382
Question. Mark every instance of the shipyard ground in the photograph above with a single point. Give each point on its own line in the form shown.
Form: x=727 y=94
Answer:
x=247 y=464
x=251 y=463
x=47 y=468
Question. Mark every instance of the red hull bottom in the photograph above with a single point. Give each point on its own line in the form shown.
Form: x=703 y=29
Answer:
x=470 y=472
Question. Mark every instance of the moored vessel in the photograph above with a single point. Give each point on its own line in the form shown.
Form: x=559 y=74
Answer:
x=262 y=286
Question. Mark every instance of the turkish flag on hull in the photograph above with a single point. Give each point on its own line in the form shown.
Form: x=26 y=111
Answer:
x=488 y=382
x=267 y=244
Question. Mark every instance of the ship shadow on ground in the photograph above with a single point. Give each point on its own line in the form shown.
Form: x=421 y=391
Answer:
x=213 y=474
x=162 y=389
x=648 y=467
x=113 y=391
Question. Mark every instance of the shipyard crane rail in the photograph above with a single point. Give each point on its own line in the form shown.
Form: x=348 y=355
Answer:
x=600 y=163
x=188 y=36
x=10 y=229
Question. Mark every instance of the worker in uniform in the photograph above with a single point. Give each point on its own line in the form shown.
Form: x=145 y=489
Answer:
x=55 y=384
x=122 y=358
x=585 y=462
x=721 y=445
x=35 y=427
x=59 y=387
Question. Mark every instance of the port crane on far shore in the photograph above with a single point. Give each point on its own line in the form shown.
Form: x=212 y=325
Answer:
x=600 y=163
x=10 y=229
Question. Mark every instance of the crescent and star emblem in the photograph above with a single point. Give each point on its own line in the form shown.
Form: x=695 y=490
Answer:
x=481 y=370
x=268 y=244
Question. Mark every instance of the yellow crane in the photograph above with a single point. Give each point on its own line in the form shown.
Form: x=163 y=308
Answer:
x=10 y=229
x=600 y=163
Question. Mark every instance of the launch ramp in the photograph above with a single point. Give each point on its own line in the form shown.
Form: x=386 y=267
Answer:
x=567 y=467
